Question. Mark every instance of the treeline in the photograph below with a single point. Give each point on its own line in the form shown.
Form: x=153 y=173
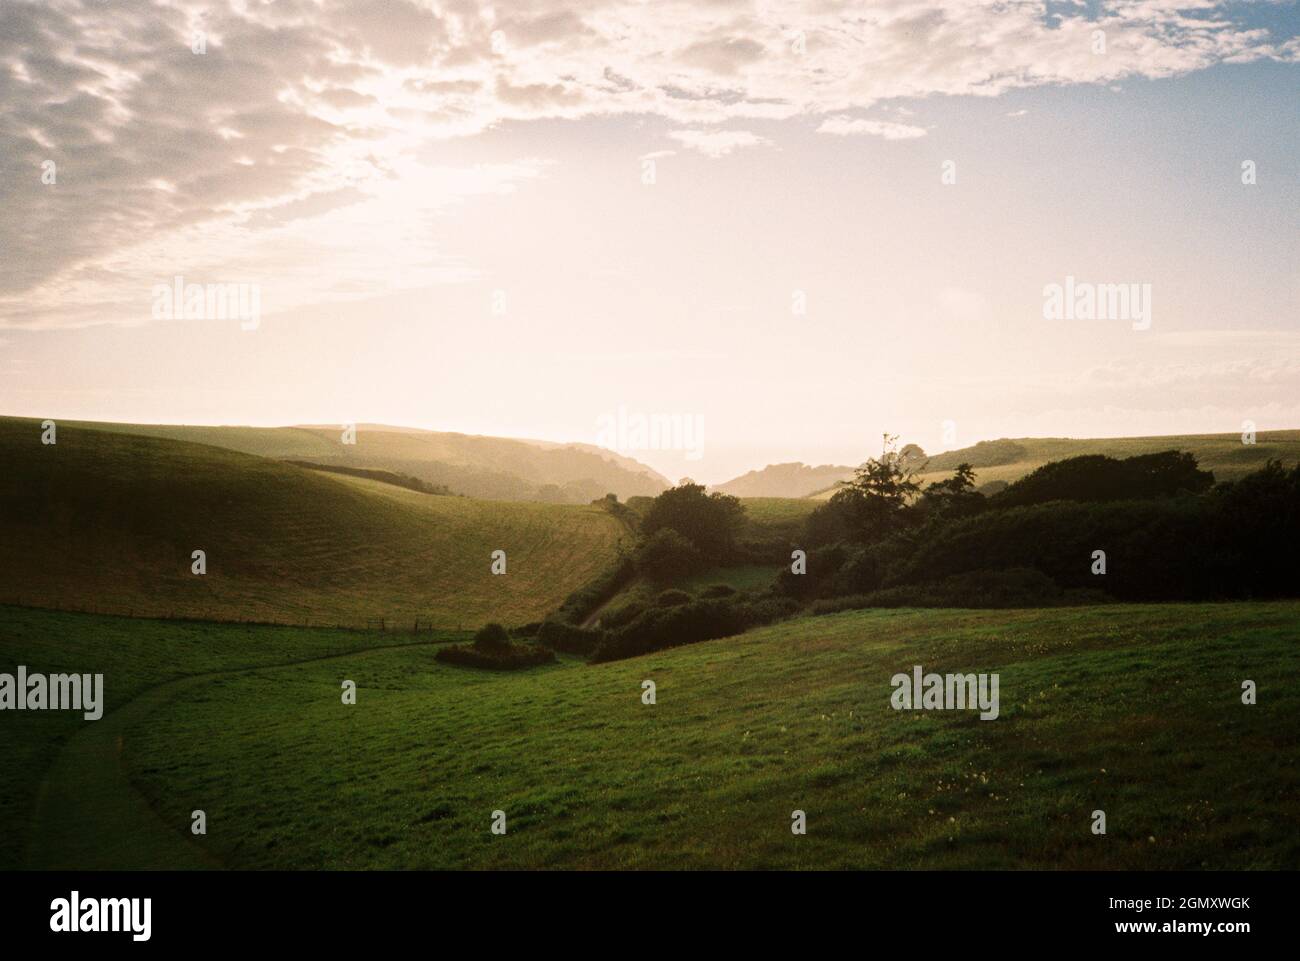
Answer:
x=1087 y=529
x=1151 y=527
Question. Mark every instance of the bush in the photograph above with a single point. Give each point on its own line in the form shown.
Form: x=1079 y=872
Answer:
x=718 y=590
x=1155 y=549
x=527 y=630
x=662 y=627
x=700 y=620
x=491 y=637
x=568 y=638
x=667 y=556
x=1096 y=477
x=511 y=657
x=619 y=616
x=672 y=598
x=583 y=602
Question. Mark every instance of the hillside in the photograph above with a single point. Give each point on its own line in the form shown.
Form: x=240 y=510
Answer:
x=1131 y=709
x=1010 y=459
x=107 y=521
x=495 y=468
x=785 y=480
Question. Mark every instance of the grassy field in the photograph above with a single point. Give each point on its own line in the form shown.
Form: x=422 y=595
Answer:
x=775 y=516
x=1134 y=710
x=108 y=522
x=1009 y=460
x=135 y=655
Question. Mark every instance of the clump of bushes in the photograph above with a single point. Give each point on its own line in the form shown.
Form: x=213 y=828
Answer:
x=557 y=635
x=718 y=590
x=672 y=598
x=583 y=602
x=620 y=616
x=493 y=650
x=658 y=628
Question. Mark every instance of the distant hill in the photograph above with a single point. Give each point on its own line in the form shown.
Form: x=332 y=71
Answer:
x=1008 y=459
x=785 y=480
x=107 y=521
x=495 y=468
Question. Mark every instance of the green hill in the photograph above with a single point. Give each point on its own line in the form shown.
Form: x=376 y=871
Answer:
x=785 y=480
x=108 y=521
x=1008 y=459
x=494 y=468
x=1134 y=710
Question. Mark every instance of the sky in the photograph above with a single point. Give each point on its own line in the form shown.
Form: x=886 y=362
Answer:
x=791 y=227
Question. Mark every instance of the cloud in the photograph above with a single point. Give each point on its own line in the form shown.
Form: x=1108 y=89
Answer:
x=299 y=108
x=846 y=126
x=717 y=143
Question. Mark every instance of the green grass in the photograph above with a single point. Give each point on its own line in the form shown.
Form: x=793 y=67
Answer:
x=135 y=656
x=775 y=516
x=108 y=522
x=743 y=577
x=1131 y=709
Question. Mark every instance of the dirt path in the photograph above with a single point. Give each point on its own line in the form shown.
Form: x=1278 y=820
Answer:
x=89 y=817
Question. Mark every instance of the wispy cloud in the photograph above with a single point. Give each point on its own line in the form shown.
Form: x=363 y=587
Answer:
x=717 y=143
x=848 y=127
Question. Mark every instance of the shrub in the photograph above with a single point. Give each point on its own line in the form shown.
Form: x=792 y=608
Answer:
x=700 y=620
x=672 y=598
x=1156 y=549
x=491 y=637
x=1096 y=477
x=583 y=602
x=667 y=556
x=511 y=657
x=718 y=590
x=619 y=616
x=568 y=638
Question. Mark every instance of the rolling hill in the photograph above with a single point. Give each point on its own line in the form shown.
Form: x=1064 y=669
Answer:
x=785 y=480
x=108 y=521
x=495 y=468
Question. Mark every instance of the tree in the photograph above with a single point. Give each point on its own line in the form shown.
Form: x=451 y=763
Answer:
x=709 y=521
x=666 y=556
x=872 y=506
x=954 y=497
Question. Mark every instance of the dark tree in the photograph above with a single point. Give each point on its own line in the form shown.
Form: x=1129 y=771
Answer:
x=709 y=521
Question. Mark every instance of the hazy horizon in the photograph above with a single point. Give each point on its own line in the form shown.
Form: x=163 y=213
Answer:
x=794 y=227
